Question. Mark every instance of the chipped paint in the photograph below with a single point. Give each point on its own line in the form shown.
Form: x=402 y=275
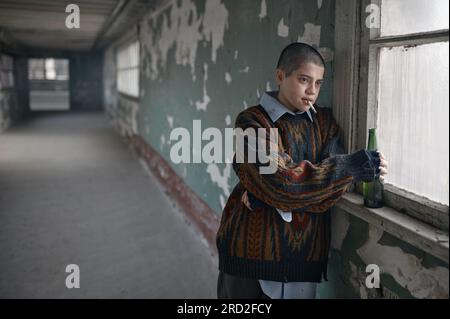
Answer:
x=311 y=34
x=201 y=105
x=263 y=10
x=215 y=23
x=222 y=180
x=227 y=120
x=283 y=30
x=245 y=70
x=236 y=53
x=268 y=88
x=184 y=31
x=406 y=269
x=319 y=4
x=170 y=120
x=222 y=201
x=357 y=279
x=228 y=77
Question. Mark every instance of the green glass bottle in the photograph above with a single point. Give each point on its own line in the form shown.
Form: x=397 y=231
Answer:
x=373 y=191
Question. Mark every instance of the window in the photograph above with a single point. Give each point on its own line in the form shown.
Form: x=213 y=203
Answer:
x=413 y=118
x=128 y=69
x=399 y=17
x=48 y=69
x=49 y=85
x=6 y=72
x=405 y=95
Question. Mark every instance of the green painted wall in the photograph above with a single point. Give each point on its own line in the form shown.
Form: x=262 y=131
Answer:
x=405 y=271
x=191 y=41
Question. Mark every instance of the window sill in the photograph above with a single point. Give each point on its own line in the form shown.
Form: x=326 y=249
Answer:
x=128 y=96
x=404 y=227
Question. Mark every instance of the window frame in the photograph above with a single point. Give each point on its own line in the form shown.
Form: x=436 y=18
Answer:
x=356 y=100
x=124 y=46
x=44 y=69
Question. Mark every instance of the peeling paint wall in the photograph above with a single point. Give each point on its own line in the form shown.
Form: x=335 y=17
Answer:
x=209 y=60
x=405 y=271
x=109 y=82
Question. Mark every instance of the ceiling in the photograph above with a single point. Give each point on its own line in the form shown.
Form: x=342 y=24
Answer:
x=40 y=24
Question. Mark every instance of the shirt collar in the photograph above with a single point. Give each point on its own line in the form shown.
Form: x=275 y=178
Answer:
x=274 y=108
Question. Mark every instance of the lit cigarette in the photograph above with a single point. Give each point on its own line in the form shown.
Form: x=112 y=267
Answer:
x=310 y=104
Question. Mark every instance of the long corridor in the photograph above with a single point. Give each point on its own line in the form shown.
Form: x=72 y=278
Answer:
x=71 y=192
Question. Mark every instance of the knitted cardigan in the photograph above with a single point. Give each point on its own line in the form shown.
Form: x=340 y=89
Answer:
x=312 y=174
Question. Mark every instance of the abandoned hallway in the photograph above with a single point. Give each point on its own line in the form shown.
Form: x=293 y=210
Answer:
x=73 y=193
x=115 y=153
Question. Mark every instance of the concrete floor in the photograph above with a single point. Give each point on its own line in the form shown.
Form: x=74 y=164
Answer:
x=71 y=192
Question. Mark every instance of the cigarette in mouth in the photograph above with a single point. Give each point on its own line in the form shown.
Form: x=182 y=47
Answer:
x=310 y=104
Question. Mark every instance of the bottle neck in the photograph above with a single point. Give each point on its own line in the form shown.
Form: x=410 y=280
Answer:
x=372 y=144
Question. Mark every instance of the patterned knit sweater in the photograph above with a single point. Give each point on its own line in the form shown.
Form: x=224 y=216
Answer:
x=311 y=176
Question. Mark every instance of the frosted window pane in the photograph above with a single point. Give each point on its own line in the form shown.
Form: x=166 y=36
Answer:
x=134 y=54
x=134 y=82
x=128 y=69
x=128 y=81
x=50 y=73
x=413 y=124
x=412 y=16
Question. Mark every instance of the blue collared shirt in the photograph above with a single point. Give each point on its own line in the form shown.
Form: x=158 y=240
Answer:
x=275 y=109
x=275 y=289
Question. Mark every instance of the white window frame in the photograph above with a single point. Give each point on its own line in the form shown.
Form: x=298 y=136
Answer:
x=406 y=215
x=415 y=205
